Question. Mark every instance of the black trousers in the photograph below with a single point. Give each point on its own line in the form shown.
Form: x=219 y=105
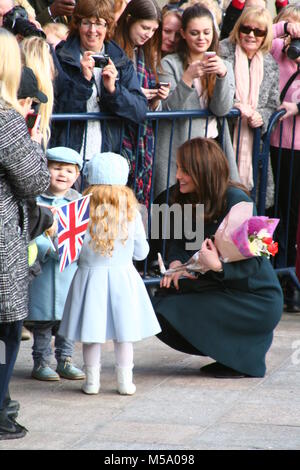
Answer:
x=10 y=339
x=287 y=181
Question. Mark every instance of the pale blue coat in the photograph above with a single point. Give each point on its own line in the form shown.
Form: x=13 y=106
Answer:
x=48 y=291
x=107 y=298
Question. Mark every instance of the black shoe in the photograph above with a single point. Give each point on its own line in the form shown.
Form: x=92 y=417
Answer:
x=11 y=407
x=10 y=429
x=221 y=372
x=291 y=296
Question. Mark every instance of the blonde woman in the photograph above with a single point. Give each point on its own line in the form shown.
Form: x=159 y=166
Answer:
x=171 y=24
x=36 y=55
x=121 y=310
x=23 y=175
x=256 y=80
x=55 y=32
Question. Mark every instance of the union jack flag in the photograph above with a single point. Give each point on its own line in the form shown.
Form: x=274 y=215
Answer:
x=73 y=220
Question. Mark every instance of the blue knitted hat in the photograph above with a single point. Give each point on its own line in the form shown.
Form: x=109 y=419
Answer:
x=107 y=168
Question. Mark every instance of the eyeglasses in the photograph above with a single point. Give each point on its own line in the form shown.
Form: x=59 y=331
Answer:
x=174 y=8
x=89 y=24
x=256 y=31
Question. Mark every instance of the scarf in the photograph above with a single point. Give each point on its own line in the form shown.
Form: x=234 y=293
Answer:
x=138 y=146
x=248 y=81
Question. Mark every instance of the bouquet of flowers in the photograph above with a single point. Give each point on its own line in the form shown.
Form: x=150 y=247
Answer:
x=240 y=236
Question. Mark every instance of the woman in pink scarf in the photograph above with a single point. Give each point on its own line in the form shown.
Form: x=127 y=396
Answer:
x=256 y=77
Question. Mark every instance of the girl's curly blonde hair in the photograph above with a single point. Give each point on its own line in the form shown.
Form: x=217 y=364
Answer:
x=111 y=208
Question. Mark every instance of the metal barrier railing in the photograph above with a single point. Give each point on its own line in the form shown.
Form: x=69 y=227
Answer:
x=282 y=268
x=260 y=154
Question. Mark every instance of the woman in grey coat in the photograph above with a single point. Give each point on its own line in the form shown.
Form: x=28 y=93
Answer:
x=23 y=175
x=199 y=79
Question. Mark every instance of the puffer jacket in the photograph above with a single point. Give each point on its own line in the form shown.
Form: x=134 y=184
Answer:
x=128 y=101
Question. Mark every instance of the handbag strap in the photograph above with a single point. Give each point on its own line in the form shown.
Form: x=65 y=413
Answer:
x=288 y=83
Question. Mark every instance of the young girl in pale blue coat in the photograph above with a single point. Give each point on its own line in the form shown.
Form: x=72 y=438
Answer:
x=107 y=299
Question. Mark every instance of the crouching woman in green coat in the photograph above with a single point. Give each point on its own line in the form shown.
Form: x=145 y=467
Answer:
x=230 y=312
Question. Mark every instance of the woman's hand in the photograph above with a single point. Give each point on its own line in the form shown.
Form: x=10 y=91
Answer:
x=35 y=132
x=293 y=29
x=208 y=256
x=109 y=77
x=194 y=70
x=255 y=120
x=291 y=109
x=169 y=278
x=162 y=93
x=150 y=93
x=214 y=64
x=87 y=65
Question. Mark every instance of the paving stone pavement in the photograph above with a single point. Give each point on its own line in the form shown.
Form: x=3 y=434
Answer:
x=175 y=407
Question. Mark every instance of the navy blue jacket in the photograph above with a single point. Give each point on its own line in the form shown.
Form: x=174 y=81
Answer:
x=128 y=101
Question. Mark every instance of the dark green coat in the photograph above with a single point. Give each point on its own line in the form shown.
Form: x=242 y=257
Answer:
x=229 y=316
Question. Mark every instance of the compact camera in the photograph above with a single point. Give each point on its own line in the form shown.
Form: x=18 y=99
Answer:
x=101 y=60
x=293 y=51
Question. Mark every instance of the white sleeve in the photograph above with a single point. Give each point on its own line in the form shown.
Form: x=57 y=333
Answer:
x=141 y=246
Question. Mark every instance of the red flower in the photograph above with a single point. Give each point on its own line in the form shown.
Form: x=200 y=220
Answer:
x=267 y=240
x=273 y=248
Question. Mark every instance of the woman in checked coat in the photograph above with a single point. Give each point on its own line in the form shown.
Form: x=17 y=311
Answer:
x=23 y=175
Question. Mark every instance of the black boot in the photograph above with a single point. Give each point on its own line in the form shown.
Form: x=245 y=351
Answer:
x=9 y=428
x=291 y=298
x=11 y=406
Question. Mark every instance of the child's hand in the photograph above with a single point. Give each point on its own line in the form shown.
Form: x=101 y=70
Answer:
x=52 y=231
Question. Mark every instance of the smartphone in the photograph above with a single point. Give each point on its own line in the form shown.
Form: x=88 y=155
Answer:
x=160 y=84
x=209 y=54
x=32 y=119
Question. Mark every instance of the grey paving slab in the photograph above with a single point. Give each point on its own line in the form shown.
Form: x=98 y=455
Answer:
x=250 y=436
x=175 y=406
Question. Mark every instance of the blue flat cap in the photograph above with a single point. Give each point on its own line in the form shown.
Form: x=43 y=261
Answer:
x=64 y=155
x=107 y=168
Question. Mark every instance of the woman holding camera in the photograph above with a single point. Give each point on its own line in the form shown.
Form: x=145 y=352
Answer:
x=138 y=32
x=111 y=88
x=23 y=175
x=286 y=161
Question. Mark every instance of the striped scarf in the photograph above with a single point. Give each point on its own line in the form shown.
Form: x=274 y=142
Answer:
x=139 y=146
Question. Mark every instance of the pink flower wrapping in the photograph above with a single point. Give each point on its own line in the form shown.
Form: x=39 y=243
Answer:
x=240 y=236
x=232 y=236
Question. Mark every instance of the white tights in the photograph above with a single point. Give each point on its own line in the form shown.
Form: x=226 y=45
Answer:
x=123 y=354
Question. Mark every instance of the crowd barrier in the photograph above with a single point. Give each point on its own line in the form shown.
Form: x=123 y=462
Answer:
x=260 y=159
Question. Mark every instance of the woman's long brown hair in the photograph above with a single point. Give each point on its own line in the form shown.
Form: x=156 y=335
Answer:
x=190 y=13
x=204 y=160
x=141 y=10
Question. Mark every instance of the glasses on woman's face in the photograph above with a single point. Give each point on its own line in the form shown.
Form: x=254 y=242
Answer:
x=256 y=31
x=87 y=24
x=171 y=7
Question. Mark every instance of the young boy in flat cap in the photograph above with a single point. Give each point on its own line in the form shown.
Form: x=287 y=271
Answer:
x=48 y=291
